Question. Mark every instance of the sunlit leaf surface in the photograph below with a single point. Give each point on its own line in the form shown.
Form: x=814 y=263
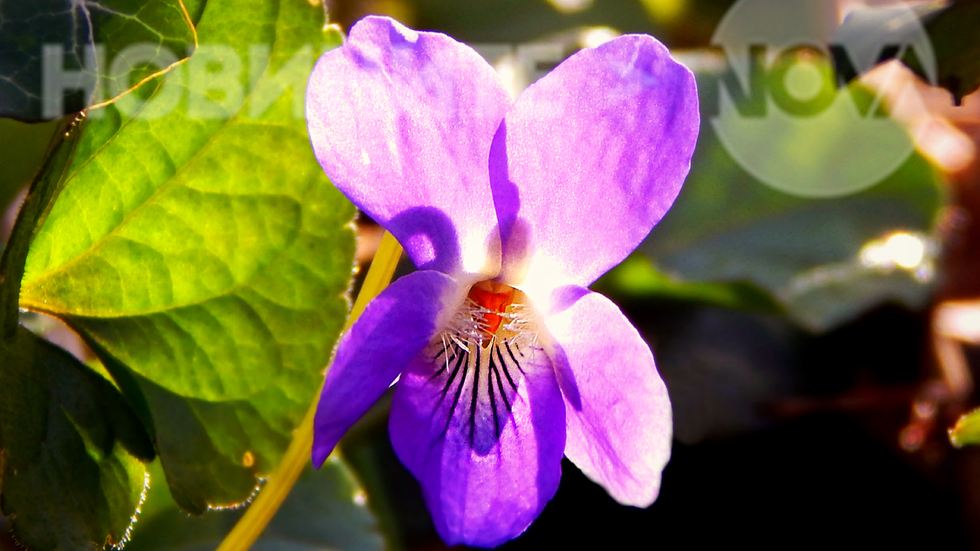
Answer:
x=200 y=250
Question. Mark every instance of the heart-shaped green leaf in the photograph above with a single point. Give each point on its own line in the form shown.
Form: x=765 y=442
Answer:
x=198 y=247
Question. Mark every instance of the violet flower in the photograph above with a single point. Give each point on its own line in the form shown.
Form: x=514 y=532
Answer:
x=509 y=209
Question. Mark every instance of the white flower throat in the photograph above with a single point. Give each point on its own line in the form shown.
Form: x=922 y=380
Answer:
x=480 y=360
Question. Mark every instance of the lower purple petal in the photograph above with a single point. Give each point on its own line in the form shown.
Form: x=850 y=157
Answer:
x=617 y=408
x=394 y=327
x=488 y=456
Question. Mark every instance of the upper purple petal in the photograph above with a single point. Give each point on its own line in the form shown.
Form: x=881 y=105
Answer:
x=394 y=327
x=617 y=409
x=401 y=122
x=590 y=158
x=483 y=435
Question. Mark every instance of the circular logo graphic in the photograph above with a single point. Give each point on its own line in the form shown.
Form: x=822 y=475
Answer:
x=786 y=112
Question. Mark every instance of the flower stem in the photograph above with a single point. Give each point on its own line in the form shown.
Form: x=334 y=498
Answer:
x=267 y=502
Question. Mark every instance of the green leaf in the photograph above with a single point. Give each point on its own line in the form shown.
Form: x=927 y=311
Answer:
x=199 y=249
x=967 y=430
x=810 y=255
x=86 y=55
x=326 y=510
x=71 y=470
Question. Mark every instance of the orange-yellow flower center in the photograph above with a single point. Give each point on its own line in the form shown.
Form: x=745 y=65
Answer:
x=494 y=298
x=495 y=307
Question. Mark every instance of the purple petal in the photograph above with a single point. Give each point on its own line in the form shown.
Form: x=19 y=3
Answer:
x=590 y=158
x=401 y=122
x=394 y=327
x=617 y=409
x=488 y=459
